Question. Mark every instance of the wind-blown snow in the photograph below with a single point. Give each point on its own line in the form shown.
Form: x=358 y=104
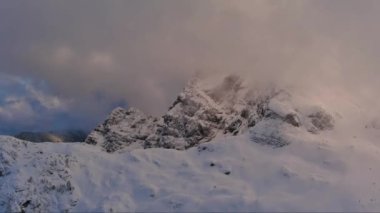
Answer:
x=300 y=154
x=199 y=114
x=316 y=172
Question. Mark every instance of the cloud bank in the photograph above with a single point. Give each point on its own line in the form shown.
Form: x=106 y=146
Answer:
x=92 y=56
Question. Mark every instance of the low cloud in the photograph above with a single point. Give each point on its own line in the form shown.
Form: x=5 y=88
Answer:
x=92 y=57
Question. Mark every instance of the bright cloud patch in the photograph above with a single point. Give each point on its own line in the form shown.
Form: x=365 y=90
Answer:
x=30 y=105
x=22 y=104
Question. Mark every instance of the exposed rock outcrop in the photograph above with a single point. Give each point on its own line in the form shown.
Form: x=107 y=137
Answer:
x=199 y=114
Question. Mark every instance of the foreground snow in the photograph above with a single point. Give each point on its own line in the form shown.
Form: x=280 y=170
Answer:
x=313 y=173
x=299 y=152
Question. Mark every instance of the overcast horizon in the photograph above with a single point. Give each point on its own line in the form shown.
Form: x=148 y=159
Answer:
x=67 y=64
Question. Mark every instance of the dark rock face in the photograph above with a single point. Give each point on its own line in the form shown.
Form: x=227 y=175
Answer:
x=122 y=128
x=292 y=119
x=321 y=121
x=272 y=140
x=196 y=116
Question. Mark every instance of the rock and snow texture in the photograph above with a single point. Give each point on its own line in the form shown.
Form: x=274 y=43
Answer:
x=315 y=172
x=199 y=114
x=34 y=178
x=218 y=149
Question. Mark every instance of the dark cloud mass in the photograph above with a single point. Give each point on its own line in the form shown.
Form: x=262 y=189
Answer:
x=66 y=64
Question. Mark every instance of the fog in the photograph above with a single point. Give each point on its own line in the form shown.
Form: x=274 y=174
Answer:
x=92 y=55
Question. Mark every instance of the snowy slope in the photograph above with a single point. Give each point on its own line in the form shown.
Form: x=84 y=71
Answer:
x=232 y=173
x=315 y=152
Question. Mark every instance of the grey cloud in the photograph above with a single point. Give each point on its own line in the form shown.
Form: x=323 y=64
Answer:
x=144 y=51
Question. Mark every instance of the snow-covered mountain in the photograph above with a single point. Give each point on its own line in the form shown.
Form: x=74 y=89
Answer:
x=199 y=114
x=219 y=148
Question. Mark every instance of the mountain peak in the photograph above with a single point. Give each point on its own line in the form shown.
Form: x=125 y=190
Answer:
x=200 y=113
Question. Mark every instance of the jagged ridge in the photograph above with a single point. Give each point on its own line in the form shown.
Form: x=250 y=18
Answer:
x=198 y=115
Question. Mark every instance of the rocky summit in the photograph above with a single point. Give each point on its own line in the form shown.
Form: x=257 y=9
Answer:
x=221 y=147
x=200 y=113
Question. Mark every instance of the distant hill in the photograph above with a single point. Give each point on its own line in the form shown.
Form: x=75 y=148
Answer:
x=52 y=136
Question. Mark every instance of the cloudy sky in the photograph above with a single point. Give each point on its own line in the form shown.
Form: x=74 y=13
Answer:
x=66 y=64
